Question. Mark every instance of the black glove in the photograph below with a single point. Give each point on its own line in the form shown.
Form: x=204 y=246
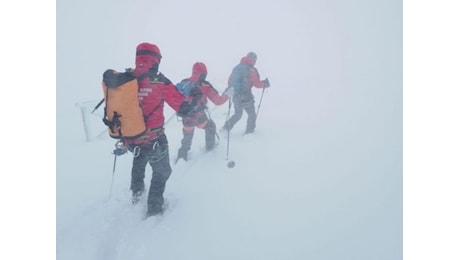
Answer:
x=163 y=78
x=119 y=151
x=266 y=83
x=120 y=148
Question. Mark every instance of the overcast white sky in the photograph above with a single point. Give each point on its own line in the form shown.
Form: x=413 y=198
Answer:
x=289 y=62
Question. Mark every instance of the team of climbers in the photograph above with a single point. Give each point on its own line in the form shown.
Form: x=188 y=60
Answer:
x=141 y=130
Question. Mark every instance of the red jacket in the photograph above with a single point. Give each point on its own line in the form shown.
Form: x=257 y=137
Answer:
x=199 y=73
x=209 y=92
x=152 y=95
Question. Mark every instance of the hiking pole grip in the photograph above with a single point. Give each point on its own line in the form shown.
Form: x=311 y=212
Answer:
x=228 y=143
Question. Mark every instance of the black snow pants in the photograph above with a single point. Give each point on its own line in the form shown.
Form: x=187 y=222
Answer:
x=157 y=155
x=239 y=108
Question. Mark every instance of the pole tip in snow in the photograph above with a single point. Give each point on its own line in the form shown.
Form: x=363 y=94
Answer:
x=231 y=164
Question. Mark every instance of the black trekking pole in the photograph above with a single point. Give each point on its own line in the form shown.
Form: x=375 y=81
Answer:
x=113 y=174
x=120 y=149
x=229 y=107
x=228 y=131
x=260 y=102
x=97 y=106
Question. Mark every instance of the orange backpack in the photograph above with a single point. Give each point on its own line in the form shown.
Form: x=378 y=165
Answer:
x=122 y=112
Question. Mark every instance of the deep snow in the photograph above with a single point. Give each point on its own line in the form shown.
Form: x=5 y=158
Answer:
x=320 y=179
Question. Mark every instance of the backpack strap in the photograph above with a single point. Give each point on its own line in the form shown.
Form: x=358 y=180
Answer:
x=159 y=78
x=146 y=117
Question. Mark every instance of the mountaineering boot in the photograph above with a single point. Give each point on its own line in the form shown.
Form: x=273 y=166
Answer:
x=186 y=144
x=155 y=199
x=182 y=153
x=136 y=196
x=154 y=211
x=249 y=131
x=251 y=122
x=225 y=130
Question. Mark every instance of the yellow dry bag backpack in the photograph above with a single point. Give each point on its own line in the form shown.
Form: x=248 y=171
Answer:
x=122 y=112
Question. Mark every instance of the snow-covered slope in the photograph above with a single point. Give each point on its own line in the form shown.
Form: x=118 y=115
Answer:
x=321 y=178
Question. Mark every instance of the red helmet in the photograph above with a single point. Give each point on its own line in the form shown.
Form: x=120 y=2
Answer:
x=147 y=55
x=199 y=72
